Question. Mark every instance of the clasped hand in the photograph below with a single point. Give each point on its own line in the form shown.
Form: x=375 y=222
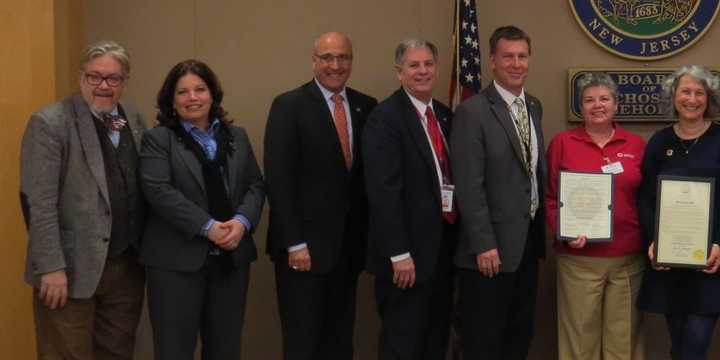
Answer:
x=227 y=235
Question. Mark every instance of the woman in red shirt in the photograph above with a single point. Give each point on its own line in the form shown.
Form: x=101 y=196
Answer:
x=598 y=282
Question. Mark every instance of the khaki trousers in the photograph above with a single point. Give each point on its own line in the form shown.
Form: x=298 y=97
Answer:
x=100 y=328
x=597 y=317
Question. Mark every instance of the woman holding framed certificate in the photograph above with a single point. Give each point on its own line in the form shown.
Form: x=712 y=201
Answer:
x=599 y=249
x=684 y=159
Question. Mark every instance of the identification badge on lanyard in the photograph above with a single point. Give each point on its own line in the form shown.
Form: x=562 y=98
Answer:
x=447 y=193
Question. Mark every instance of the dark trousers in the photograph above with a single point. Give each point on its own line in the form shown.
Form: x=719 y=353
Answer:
x=209 y=302
x=498 y=313
x=690 y=335
x=317 y=311
x=100 y=328
x=415 y=322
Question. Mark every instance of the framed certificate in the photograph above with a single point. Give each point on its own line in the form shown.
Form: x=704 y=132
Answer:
x=585 y=206
x=684 y=220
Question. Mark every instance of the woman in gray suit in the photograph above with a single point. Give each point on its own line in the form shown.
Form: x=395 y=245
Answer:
x=205 y=189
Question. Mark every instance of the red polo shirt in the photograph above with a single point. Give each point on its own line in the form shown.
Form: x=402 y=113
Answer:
x=574 y=150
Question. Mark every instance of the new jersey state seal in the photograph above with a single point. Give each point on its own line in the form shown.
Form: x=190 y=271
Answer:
x=645 y=29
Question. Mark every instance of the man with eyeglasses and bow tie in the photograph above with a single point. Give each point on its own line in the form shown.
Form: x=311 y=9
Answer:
x=83 y=208
x=318 y=207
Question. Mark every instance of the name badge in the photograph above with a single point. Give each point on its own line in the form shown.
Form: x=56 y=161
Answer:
x=613 y=168
x=447 y=193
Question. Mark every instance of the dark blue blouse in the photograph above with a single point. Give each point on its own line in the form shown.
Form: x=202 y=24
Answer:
x=678 y=290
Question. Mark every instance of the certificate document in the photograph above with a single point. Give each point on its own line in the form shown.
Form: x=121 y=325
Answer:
x=683 y=229
x=585 y=206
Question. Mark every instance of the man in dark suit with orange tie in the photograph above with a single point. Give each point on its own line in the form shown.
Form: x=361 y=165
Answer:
x=318 y=206
x=411 y=231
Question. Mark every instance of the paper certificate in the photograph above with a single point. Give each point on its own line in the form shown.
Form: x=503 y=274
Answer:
x=684 y=221
x=585 y=206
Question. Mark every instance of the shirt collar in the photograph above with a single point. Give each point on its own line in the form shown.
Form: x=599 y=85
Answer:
x=507 y=96
x=419 y=105
x=327 y=94
x=188 y=126
x=113 y=112
x=579 y=133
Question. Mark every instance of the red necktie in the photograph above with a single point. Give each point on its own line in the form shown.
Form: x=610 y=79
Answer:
x=439 y=146
x=342 y=128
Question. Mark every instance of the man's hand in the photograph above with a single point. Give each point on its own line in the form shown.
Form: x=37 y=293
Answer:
x=234 y=231
x=54 y=289
x=216 y=232
x=404 y=273
x=713 y=260
x=651 y=256
x=578 y=243
x=489 y=262
x=299 y=260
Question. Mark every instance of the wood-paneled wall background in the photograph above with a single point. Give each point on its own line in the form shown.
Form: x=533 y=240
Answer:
x=31 y=57
x=259 y=49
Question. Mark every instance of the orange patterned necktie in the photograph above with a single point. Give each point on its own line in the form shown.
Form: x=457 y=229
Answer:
x=342 y=128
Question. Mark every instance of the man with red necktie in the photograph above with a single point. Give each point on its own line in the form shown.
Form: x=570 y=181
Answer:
x=412 y=215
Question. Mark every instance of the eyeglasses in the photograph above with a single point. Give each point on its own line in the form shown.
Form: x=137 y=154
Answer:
x=111 y=80
x=330 y=58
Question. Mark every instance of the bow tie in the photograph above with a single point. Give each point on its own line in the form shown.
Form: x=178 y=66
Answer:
x=113 y=122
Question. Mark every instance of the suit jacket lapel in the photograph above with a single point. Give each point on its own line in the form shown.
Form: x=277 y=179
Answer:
x=419 y=136
x=534 y=117
x=357 y=113
x=90 y=144
x=502 y=114
x=135 y=127
x=442 y=118
x=233 y=167
x=189 y=158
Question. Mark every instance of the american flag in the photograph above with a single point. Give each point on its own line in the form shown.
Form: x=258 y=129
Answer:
x=465 y=80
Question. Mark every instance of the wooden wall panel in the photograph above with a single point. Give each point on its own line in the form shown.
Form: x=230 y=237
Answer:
x=26 y=83
x=68 y=45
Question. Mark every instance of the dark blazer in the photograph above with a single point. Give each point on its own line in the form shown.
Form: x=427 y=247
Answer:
x=172 y=182
x=65 y=193
x=402 y=185
x=492 y=187
x=313 y=197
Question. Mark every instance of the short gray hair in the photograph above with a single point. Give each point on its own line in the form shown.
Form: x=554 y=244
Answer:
x=107 y=47
x=710 y=83
x=592 y=79
x=413 y=43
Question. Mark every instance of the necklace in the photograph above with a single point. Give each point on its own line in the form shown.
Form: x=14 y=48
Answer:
x=688 y=148
x=695 y=133
x=601 y=139
x=680 y=129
